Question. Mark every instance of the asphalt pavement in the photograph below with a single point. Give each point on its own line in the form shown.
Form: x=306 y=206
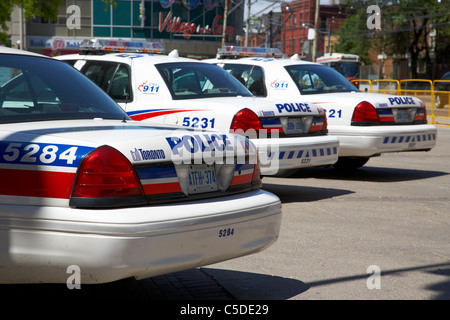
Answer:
x=381 y=232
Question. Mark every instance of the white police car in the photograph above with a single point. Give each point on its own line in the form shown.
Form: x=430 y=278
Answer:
x=83 y=187
x=289 y=133
x=366 y=124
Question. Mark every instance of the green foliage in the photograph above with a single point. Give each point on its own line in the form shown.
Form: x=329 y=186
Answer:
x=47 y=9
x=31 y=8
x=354 y=37
x=405 y=29
x=6 y=7
x=110 y=2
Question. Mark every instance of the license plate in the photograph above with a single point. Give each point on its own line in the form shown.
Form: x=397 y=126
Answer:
x=202 y=178
x=294 y=126
x=404 y=116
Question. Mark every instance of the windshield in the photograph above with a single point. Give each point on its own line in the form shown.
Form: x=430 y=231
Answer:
x=187 y=80
x=36 y=89
x=314 y=79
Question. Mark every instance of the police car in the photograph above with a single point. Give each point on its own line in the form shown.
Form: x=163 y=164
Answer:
x=288 y=133
x=88 y=194
x=367 y=125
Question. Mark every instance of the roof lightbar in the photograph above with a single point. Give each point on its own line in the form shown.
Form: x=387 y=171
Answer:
x=240 y=52
x=111 y=45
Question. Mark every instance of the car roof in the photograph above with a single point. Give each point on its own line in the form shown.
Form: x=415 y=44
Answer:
x=6 y=50
x=446 y=75
x=128 y=57
x=265 y=61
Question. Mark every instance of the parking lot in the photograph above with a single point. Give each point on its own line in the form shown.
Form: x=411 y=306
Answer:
x=381 y=232
x=392 y=214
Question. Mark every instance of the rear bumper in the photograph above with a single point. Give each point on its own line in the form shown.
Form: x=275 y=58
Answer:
x=370 y=141
x=40 y=243
x=296 y=153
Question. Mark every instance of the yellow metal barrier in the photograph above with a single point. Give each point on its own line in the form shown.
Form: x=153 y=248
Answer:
x=440 y=100
x=360 y=82
x=415 y=87
x=389 y=86
x=437 y=101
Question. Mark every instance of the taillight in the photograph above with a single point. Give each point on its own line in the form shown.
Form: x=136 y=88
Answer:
x=365 y=114
x=106 y=178
x=256 y=178
x=245 y=120
x=319 y=125
x=421 y=114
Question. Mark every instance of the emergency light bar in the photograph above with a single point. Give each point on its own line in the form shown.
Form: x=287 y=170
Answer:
x=240 y=52
x=109 y=45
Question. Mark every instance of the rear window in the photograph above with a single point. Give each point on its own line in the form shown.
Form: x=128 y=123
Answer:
x=36 y=89
x=316 y=79
x=187 y=80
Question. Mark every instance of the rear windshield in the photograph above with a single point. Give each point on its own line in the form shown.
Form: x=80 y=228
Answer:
x=187 y=80
x=36 y=89
x=316 y=79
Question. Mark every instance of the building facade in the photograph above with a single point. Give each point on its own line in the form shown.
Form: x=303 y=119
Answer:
x=289 y=29
x=298 y=21
x=193 y=27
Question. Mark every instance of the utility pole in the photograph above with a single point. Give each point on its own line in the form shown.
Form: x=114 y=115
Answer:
x=224 y=31
x=316 y=24
x=247 y=23
x=270 y=28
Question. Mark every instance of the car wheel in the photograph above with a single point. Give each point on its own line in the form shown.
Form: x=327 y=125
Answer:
x=350 y=163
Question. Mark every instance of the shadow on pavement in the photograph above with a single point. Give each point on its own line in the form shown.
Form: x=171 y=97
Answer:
x=209 y=284
x=125 y=289
x=255 y=286
x=367 y=173
x=289 y=193
x=252 y=286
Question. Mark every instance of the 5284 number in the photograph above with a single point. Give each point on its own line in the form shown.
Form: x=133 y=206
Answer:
x=41 y=154
x=228 y=232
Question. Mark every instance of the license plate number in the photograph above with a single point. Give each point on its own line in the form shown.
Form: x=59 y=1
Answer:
x=403 y=116
x=202 y=178
x=294 y=126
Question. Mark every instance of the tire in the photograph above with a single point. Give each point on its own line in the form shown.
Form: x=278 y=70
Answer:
x=350 y=163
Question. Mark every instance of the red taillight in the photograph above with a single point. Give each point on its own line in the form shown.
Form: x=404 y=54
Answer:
x=365 y=113
x=421 y=115
x=106 y=173
x=256 y=177
x=245 y=120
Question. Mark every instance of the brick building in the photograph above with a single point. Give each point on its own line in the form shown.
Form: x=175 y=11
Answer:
x=288 y=29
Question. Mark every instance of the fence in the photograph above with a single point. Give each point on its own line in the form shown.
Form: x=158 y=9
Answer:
x=435 y=94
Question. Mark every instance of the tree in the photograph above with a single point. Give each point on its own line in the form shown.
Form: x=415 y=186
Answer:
x=354 y=37
x=405 y=30
x=47 y=9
